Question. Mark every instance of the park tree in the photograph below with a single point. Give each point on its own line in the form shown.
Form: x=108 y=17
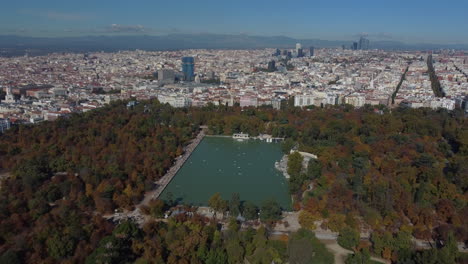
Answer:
x=449 y=252
x=156 y=208
x=359 y=257
x=235 y=251
x=336 y=222
x=10 y=257
x=287 y=145
x=305 y=248
x=297 y=178
x=60 y=247
x=314 y=169
x=216 y=202
x=307 y=220
x=216 y=256
x=111 y=250
x=234 y=205
x=270 y=211
x=250 y=211
x=127 y=230
x=348 y=238
x=295 y=163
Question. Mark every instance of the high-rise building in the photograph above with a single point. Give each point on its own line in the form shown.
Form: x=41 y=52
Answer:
x=188 y=68
x=355 y=45
x=363 y=43
x=300 y=53
x=166 y=76
x=311 y=51
x=272 y=66
x=298 y=46
x=278 y=52
x=366 y=44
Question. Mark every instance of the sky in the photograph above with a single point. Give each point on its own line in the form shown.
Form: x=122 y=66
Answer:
x=411 y=21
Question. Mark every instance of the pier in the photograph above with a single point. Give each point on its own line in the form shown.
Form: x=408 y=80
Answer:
x=267 y=138
x=240 y=136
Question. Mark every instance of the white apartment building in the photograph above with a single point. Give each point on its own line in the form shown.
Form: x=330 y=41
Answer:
x=248 y=101
x=175 y=101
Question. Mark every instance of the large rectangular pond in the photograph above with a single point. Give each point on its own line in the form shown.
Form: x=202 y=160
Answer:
x=227 y=166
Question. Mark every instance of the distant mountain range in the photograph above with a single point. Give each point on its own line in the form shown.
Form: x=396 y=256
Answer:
x=18 y=45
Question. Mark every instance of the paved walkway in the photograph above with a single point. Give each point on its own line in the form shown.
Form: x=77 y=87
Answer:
x=167 y=178
x=161 y=183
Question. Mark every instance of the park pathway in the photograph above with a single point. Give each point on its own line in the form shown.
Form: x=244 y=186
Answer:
x=161 y=184
x=171 y=173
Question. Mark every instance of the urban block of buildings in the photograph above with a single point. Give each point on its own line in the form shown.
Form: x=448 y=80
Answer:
x=41 y=88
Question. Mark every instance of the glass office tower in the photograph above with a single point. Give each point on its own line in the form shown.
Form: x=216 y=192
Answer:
x=188 y=68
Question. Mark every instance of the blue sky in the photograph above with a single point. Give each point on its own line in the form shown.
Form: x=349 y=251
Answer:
x=430 y=21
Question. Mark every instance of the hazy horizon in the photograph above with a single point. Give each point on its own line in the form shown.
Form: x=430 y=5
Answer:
x=345 y=41
x=409 y=22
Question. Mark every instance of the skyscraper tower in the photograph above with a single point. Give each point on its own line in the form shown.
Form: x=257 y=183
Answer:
x=188 y=68
x=367 y=44
x=271 y=66
x=278 y=52
x=363 y=43
x=298 y=47
x=300 y=53
x=311 y=51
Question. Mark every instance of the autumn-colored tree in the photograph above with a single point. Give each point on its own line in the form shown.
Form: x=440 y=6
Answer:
x=307 y=220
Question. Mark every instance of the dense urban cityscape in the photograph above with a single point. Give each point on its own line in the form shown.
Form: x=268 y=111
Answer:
x=233 y=132
x=152 y=143
x=46 y=87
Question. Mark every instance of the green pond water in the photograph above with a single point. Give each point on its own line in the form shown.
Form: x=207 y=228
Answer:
x=227 y=166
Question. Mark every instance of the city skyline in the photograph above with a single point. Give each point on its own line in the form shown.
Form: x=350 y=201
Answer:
x=410 y=22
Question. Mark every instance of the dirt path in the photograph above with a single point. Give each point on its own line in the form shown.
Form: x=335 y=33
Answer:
x=341 y=253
